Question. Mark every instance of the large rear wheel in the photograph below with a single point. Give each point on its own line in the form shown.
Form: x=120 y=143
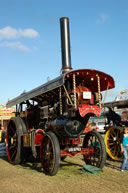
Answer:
x=112 y=142
x=95 y=141
x=50 y=154
x=14 y=140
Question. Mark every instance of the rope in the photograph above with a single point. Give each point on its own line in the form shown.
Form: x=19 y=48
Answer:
x=99 y=95
x=74 y=90
x=60 y=98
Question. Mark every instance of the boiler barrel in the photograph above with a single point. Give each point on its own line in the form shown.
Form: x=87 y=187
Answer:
x=66 y=127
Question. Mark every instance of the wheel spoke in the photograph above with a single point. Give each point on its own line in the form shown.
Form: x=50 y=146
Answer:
x=13 y=154
x=115 y=134
x=110 y=144
x=12 y=147
x=110 y=140
x=111 y=135
x=11 y=128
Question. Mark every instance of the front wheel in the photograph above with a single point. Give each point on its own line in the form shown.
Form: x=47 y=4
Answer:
x=94 y=140
x=50 y=154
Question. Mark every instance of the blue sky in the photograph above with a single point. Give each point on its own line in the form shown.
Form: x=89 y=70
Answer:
x=30 y=49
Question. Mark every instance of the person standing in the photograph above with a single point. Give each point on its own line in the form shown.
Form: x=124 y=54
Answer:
x=124 y=149
x=0 y=133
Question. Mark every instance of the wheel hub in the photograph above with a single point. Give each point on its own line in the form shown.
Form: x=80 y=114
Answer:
x=12 y=140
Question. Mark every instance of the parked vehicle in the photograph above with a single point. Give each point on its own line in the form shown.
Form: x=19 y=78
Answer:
x=98 y=124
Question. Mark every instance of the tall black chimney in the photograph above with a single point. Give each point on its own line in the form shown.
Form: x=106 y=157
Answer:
x=65 y=44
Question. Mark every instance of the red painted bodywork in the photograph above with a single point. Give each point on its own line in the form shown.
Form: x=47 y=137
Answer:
x=67 y=141
x=85 y=109
x=85 y=151
x=39 y=136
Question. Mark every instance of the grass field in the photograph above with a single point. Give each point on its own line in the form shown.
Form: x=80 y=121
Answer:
x=29 y=178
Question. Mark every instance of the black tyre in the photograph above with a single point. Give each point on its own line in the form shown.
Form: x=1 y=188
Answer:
x=50 y=154
x=14 y=140
x=98 y=157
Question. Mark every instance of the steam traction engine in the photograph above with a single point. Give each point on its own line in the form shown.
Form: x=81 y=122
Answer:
x=51 y=118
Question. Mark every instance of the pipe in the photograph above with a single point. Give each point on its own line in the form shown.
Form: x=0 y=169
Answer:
x=65 y=44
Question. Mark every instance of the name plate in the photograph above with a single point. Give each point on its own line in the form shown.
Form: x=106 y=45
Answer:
x=86 y=95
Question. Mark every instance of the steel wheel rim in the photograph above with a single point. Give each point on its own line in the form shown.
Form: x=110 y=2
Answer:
x=47 y=154
x=112 y=142
x=93 y=142
x=12 y=141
